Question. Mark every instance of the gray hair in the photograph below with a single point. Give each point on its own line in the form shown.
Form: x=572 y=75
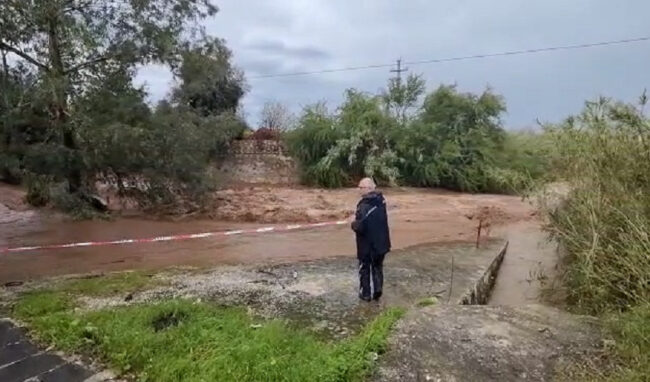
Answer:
x=368 y=182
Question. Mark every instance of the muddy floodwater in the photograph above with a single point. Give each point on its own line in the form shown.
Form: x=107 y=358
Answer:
x=416 y=217
x=244 y=249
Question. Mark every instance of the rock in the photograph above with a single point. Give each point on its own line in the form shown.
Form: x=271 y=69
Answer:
x=98 y=202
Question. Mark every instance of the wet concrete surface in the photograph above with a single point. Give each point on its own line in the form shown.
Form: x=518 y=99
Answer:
x=486 y=343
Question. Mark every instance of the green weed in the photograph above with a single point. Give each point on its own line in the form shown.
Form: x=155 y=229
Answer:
x=427 y=301
x=112 y=284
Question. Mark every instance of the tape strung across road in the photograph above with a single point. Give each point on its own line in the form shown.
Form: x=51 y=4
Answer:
x=174 y=237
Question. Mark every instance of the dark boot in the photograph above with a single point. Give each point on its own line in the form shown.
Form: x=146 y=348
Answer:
x=378 y=276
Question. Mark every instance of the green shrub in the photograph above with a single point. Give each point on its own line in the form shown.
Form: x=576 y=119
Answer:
x=456 y=142
x=38 y=190
x=336 y=150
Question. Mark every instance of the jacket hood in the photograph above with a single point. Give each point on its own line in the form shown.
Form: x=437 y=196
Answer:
x=374 y=198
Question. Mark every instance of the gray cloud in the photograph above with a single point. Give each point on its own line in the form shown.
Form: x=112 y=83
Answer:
x=279 y=48
x=287 y=35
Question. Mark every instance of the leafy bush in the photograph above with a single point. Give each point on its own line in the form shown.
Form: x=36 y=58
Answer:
x=335 y=150
x=38 y=190
x=455 y=142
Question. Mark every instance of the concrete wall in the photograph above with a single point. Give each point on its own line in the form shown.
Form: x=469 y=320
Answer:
x=479 y=294
x=257 y=162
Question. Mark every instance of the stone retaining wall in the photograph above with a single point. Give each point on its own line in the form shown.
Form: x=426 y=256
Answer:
x=257 y=162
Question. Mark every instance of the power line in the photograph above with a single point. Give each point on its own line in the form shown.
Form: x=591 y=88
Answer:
x=460 y=58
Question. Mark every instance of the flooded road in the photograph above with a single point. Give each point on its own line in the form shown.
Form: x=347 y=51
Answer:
x=244 y=249
x=416 y=217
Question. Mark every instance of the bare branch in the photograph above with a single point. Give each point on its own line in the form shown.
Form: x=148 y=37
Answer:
x=71 y=7
x=89 y=63
x=23 y=55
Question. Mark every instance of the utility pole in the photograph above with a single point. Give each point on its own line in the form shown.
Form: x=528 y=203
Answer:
x=399 y=96
x=399 y=71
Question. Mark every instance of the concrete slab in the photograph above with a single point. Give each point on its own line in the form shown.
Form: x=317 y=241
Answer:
x=485 y=343
x=16 y=352
x=30 y=367
x=11 y=335
x=20 y=360
x=66 y=373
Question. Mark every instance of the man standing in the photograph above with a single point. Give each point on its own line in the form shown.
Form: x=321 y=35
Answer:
x=373 y=239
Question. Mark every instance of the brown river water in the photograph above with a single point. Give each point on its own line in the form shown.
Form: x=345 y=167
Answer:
x=416 y=217
x=28 y=229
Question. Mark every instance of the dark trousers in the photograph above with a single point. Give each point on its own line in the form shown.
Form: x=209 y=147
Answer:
x=371 y=267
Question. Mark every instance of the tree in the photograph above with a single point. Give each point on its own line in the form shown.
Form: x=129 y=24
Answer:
x=336 y=150
x=209 y=83
x=276 y=117
x=69 y=42
x=454 y=140
x=400 y=97
x=24 y=119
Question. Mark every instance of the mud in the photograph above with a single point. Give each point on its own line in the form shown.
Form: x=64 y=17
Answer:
x=416 y=217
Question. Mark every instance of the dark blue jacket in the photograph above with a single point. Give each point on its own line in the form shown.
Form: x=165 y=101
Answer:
x=371 y=226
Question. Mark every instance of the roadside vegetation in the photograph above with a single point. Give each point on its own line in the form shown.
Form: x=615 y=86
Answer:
x=403 y=136
x=604 y=225
x=175 y=340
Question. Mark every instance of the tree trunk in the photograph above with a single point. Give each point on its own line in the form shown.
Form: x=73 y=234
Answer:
x=59 y=107
x=5 y=66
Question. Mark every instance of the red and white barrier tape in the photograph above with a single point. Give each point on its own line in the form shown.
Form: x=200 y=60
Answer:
x=203 y=235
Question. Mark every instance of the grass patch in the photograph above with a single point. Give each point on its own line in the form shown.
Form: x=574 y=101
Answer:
x=631 y=331
x=180 y=340
x=109 y=285
x=427 y=302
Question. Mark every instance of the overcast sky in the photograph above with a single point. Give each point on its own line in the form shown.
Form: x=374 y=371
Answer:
x=279 y=36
